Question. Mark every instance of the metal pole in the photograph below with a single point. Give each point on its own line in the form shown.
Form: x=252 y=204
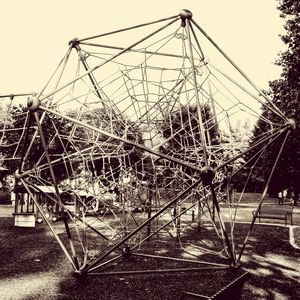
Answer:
x=134 y=50
x=223 y=229
x=49 y=225
x=29 y=118
x=263 y=194
x=43 y=140
x=238 y=69
x=11 y=96
x=179 y=259
x=145 y=223
x=63 y=62
x=149 y=206
x=86 y=67
x=128 y=28
x=202 y=129
x=142 y=147
x=275 y=132
x=158 y=271
x=110 y=59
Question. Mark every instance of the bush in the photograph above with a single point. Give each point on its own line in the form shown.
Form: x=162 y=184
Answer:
x=5 y=196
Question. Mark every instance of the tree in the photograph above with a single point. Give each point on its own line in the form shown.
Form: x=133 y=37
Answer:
x=285 y=94
x=181 y=131
x=64 y=138
x=15 y=140
x=109 y=157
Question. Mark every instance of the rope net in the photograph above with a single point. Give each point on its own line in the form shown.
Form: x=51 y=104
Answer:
x=137 y=137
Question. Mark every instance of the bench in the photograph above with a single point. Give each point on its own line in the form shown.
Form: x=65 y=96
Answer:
x=24 y=219
x=231 y=291
x=276 y=213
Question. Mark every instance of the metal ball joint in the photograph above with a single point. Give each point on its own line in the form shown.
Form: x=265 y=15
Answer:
x=207 y=175
x=185 y=14
x=74 y=42
x=18 y=175
x=291 y=123
x=126 y=252
x=33 y=104
x=82 y=276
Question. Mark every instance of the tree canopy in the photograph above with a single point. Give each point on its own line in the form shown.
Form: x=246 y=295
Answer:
x=182 y=131
x=285 y=94
x=64 y=138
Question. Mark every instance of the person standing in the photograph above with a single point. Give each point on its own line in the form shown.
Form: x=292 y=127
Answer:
x=280 y=197
x=284 y=195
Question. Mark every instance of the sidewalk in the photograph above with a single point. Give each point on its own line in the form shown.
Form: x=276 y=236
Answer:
x=6 y=211
x=244 y=214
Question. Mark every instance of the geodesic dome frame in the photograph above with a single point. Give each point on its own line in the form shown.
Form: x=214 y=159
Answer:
x=141 y=136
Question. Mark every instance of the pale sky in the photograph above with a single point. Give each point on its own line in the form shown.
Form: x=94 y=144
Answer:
x=35 y=33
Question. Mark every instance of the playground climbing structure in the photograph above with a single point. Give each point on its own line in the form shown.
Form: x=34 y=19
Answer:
x=144 y=130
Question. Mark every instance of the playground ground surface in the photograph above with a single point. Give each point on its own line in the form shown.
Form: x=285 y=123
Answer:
x=34 y=267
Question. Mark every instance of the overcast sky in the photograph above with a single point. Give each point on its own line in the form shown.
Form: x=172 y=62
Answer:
x=35 y=33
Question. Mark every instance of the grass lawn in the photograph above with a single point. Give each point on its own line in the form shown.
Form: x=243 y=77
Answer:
x=34 y=267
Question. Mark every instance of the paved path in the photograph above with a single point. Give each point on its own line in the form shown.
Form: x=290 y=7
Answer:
x=244 y=215
x=6 y=211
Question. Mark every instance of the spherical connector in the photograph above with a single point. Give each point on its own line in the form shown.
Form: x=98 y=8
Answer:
x=80 y=275
x=33 y=104
x=126 y=252
x=291 y=123
x=18 y=175
x=235 y=266
x=207 y=175
x=185 y=14
x=74 y=42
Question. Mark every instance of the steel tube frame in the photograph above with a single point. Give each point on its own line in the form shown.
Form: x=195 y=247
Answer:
x=157 y=271
x=62 y=246
x=128 y=28
x=133 y=50
x=12 y=96
x=202 y=129
x=153 y=217
x=145 y=149
x=263 y=195
x=63 y=62
x=43 y=140
x=243 y=89
x=223 y=230
x=80 y=219
x=142 y=147
x=89 y=268
x=179 y=259
x=238 y=69
x=110 y=59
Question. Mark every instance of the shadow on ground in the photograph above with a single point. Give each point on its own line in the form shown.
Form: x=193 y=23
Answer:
x=34 y=267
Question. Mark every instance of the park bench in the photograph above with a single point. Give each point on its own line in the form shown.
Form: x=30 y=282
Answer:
x=275 y=212
x=231 y=291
